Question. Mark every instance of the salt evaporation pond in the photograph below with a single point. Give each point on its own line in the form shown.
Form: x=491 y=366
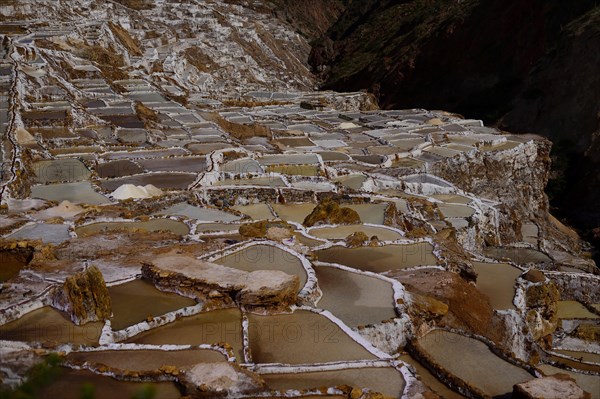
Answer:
x=585 y=356
x=242 y=166
x=137 y=300
x=369 y=213
x=473 y=362
x=12 y=263
x=380 y=259
x=574 y=310
x=293 y=212
x=352 y=181
x=48 y=233
x=296 y=170
x=354 y=298
x=452 y=198
x=272 y=181
x=60 y=170
x=430 y=380
x=588 y=382
x=78 y=193
x=302 y=337
x=49 y=325
x=155 y=225
x=255 y=211
x=203 y=214
x=265 y=257
x=119 y=168
x=71 y=383
x=179 y=164
x=497 y=282
x=162 y=180
x=456 y=210
x=518 y=255
x=211 y=327
x=214 y=227
x=146 y=360
x=385 y=380
x=341 y=232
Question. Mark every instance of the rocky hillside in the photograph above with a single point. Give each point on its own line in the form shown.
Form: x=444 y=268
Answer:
x=526 y=66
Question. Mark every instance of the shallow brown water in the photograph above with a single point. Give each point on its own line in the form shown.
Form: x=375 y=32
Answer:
x=49 y=325
x=380 y=259
x=205 y=328
x=300 y=338
x=137 y=300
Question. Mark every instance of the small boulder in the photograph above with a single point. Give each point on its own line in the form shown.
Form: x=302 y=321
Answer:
x=356 y=239
x=557 y=386
x=534 y=276
x=330 y=212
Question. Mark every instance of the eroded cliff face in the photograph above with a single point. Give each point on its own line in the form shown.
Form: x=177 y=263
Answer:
x=508 y=63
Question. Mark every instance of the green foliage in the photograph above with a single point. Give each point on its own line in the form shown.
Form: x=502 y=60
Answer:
x=39 y=376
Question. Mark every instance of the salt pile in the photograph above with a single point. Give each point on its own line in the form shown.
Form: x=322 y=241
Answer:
x=132 y=191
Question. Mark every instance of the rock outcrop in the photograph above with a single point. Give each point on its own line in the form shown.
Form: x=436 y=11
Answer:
x=84 y=297
x=541 y=300
x=330 y=212
x=272 y=230
x=558 y=386
x=211 y=282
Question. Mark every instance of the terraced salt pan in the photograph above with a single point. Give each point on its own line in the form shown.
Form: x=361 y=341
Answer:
x=380 y=259
x=341 y=232
x=452 y=198
x=256 y=211
x=585 y=356
x=265 y=257
x=352 y=181
x=205 y=328
x=137 y=300
x=258 y=181
x=179 y=164
x=302 y=337
x=354 y=298
x=146 y=360
x=78 y=193
x=12 y=264
x=65 y=210
x=49 y=325
x=518 y=255
x=70 y=385
x=497 y=282
x=473 y=362
x=216 y=227
x=162 y=180
x=331 y=156
x=60 y=170
x=48 y=233
x=203 y=214
x=295 y=170
x=430 y=380
x=574 y=310
x=293 y=212
x=369 y=213
x=241 y=166
x=289 y=159
x=385 y=380
x=456 y=210
x=588 y=382
x=154 y=225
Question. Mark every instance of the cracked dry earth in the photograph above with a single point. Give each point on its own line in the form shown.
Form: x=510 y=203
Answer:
x=180 y=208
